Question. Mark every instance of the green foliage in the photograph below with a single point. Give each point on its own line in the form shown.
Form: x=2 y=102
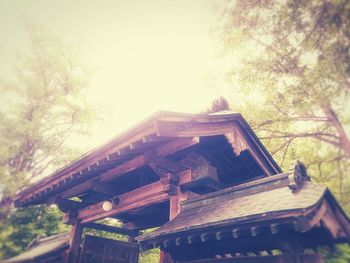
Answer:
x=290 y=77
x=294 y=71
x=42 y=106
x=149 y=256
x=25 y=224
x=340 y=255
x=99 y=233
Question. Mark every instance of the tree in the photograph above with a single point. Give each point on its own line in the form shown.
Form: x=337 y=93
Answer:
x=220 y=104
x=295 y=69
x=44 y=107
x=292 y=80
x=26 y=224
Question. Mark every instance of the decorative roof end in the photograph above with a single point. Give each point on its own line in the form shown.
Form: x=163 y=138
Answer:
x=297 y=179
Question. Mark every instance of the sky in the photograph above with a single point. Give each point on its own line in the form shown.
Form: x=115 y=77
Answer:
x=147 y=55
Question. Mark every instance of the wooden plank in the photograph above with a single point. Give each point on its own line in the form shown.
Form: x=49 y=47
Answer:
x=176 y=146
x=103 y=188
x=66 y=204
x=154 y=138
x=103 y=250
x=77 y=190
x=176 y=129
x=112 y=229
x=126 y=167
x=166 y=165
x=137 y=199
x=302 y=258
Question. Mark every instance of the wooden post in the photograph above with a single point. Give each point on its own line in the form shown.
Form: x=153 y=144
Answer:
x=175 y=209
x=291 y=246
x=74 y=243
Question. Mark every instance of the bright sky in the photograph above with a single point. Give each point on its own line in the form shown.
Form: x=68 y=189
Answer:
x=149 y=55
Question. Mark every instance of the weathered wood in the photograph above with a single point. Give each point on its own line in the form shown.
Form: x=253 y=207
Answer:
x=102 y=250
x=166 y=165
x=86 y=161
x=301 y=258
x=70 y=205
x=176 y=146
x=175 y=209
x=162 y=151
x=126 y=167
x=165 y=257
x=77 y=190
x=70 y=217
x=74 y=242
x=256 y=151
x=112 y=229
x=173 y=129
x=103 y=188
x=141 y=197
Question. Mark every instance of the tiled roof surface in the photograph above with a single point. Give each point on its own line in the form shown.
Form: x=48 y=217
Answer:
x=225 y=209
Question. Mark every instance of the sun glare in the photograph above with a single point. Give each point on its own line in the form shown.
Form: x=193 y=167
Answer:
x=146 y=56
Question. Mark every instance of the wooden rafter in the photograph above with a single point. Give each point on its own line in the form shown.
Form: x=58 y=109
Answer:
x=137 y=162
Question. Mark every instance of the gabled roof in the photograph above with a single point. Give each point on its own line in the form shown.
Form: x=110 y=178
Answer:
x=269 y=205
x=45 y=249
x=159 y=129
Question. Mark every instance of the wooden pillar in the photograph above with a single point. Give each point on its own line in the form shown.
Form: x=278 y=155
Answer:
x=175 y=209
x=74 y=243
x=291 y=246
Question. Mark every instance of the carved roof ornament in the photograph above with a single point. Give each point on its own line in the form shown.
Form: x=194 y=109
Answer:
x=298 y=177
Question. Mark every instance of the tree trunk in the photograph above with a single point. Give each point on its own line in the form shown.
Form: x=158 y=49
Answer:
x=344 y=142
x=5 y=206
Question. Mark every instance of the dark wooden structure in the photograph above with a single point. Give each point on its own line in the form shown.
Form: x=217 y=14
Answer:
x=207 y=181
x=102 y=250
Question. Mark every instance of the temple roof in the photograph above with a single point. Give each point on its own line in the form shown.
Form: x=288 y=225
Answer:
x=164 y=133
x=270 y=204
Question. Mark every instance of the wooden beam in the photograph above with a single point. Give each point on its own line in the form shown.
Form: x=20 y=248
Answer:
x=91 y=159
x=162 y=151
x=77 y=190
x=112 y=229
x=172 y=129
x=176 y=146
x=126 y=167
x=166 y=165
x=70 y=205
x=103 y=188
x=137 y=199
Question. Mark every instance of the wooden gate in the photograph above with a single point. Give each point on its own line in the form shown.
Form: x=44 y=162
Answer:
x=301 y=258
x=98 y=250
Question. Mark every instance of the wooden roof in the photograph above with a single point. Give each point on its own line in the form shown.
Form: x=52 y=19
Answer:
x=47 y=249
x=268 y=205
x=163 y=134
